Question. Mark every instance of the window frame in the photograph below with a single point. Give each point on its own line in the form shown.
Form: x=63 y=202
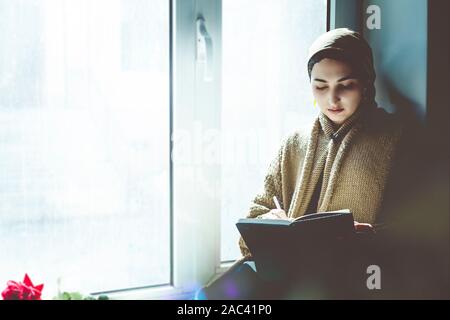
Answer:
x=189 y=96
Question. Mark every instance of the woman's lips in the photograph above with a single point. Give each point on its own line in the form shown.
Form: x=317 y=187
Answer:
x=335 y=111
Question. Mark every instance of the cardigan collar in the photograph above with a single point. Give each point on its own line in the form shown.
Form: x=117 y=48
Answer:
x=335 y=132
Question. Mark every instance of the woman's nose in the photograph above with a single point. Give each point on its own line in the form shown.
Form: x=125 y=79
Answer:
x=334 y=97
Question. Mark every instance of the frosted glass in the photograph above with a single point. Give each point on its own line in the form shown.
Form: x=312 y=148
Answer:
x=84 y=143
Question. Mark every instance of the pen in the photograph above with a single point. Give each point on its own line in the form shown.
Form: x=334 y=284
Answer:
x=277 y=204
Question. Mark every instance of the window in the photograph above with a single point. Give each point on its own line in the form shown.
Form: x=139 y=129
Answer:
x=87 y=185
x=84 y=143
x=265 y=94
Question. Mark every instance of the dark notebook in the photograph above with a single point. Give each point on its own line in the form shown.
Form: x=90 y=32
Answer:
x=281 y=247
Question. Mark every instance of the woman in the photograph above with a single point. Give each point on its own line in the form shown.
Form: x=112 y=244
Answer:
x=344 y=161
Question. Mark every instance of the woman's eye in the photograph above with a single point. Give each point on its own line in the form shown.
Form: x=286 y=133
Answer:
x=321 y=88
x=348 y=86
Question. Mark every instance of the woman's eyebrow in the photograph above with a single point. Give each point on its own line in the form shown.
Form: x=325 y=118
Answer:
x=341 y=79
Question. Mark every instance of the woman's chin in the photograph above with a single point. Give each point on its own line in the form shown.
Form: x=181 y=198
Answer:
x=337 y=118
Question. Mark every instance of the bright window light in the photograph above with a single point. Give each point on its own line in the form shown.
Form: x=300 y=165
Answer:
x=84 y=143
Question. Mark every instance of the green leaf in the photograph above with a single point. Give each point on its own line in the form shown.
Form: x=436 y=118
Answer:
x=76 y=296
x=66 y=296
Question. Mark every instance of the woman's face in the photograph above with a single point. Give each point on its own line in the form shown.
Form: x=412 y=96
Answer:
x=336 y=90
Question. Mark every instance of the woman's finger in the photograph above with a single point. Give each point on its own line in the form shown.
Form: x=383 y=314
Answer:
x=279 y=213
x=362 y=227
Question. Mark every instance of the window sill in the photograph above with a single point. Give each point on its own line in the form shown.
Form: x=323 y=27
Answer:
x=158 y=293
x=166 y=292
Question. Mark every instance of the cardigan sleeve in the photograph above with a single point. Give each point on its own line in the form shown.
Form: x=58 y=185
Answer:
x=263 y=202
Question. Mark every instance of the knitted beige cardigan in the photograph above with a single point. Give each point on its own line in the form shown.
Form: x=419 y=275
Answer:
x=355 y=159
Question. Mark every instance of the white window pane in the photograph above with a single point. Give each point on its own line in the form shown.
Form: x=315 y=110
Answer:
x=84 y=143
x=266 y=94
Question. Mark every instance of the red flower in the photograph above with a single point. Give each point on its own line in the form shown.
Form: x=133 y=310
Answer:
x=22 y=291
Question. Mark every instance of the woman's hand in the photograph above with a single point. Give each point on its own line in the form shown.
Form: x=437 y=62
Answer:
x=274 y=214
x=363 y=227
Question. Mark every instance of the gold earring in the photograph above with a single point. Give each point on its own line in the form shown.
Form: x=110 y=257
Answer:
x=315 y=103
